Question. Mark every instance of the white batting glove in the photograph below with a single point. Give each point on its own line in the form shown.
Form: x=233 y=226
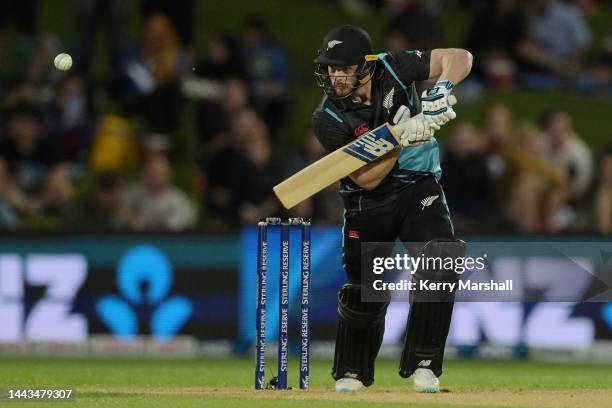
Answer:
x=413 y=131
x=401 y=115
x=437 y=103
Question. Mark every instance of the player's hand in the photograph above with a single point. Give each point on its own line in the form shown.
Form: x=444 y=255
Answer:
x=415 y=131
x=437 y=103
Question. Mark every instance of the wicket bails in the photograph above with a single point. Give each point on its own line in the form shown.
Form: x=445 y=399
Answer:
x=262 y=272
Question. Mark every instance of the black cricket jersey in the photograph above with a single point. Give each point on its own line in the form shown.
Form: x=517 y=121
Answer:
x=338 y=122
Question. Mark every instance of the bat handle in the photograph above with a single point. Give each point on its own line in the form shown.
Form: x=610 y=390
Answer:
x=400 y=115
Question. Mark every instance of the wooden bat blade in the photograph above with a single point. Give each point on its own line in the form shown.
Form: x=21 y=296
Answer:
x=316 y=177
x=336 y=165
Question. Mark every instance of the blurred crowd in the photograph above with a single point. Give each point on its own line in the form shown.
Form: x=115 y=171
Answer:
x=526 y=178
x=536 y=44
x=98 y=147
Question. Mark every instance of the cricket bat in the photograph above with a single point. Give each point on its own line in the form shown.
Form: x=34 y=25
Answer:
x=336 y=165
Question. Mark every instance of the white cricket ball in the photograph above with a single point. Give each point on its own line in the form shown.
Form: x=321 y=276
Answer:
x=63 y=61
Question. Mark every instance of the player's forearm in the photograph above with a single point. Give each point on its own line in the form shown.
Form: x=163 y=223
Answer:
x=370 y=176
x=454 y=64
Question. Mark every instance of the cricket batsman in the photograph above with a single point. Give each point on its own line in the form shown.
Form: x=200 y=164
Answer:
x=395 y=197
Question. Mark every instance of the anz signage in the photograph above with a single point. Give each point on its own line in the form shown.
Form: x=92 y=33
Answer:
x=49 y=318
x=54 y=298
x=144 y=279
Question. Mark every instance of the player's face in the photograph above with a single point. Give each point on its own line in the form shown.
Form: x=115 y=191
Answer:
x=343 y=78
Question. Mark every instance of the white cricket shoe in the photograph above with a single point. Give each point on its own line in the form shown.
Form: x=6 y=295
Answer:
x=424 y=380
x=348 y=385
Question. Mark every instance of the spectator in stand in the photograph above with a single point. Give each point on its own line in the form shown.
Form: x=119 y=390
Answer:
x=494 y=36
x=34 y=162
x=568 y=151
x=223 y=170
x=268 y=73
x=10 y=196
x=182 y=16
x=114 y=146
x=101 y=207
x=152 y=72
x=263 y=170
x=536 y=188
x=570 y=155
x=603 y=196
x=557 y=42
x=57 y=193
x=222 y=67
x=496 y=133
x=395 y=41
x=154 y=204
x=467 y=182
x=497 y=129
x=225 y=59
x=216 y=114
x=528 y=186
x=419 y=27
x=30 y=70
x=107 y=16
x=224 y=164
x=242 y=172
x=14 y=202
x=598 y=76
x=72 y=120
x=28 y=154
x=40 y=71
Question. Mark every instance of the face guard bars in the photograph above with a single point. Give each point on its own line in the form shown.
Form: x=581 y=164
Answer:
x=367 y=67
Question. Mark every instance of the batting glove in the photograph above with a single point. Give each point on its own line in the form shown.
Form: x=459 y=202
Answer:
x=413 y=131
x=437 y=103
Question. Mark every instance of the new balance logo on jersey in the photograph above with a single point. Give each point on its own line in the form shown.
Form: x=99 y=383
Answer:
x=427 y=201
x=332 y=44
x=388 y=101
x=424 y=363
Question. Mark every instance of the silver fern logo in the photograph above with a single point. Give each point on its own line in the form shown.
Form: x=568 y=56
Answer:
x=388 y=101
x=332 y=44
x=427 y=201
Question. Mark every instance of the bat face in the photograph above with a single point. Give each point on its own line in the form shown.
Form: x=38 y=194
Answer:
x=336 y=165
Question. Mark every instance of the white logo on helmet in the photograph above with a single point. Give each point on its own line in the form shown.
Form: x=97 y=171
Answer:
x=332 y=44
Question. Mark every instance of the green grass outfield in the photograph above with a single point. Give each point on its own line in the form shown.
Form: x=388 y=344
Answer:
x=133 y=382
